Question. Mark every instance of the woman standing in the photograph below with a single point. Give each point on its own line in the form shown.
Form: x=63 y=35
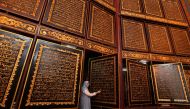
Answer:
x=85 y=96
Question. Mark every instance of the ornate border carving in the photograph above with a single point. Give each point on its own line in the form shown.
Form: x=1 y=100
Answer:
x=152 y=18
x=54 y=34
x=64 y=37
x=19 y=24
x=99 y=47
x=154 y=57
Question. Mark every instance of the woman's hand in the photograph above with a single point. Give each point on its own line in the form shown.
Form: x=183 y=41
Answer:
x=98 y=92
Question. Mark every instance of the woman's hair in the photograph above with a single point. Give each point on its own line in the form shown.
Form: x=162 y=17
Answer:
x=84 y=86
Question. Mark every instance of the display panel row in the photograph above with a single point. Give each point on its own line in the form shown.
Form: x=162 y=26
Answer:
x=155 y=38
x=166 y=83
x=54 y=74
x=72 y=16
x=155 y=8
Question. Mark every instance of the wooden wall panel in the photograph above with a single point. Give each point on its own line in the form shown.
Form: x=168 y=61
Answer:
x=131 y=5
x=102 y=26
x=13 y=53
x=54 y=77
x=28 y=8
x=133 y=35
x=181 y=41
x=172 y=10
x=187 y=77
x=103 y=76
x=159 y=39
x=66 y=15
x=169 y=83
x=138 y=82
x=152 y=7
x=187 y=2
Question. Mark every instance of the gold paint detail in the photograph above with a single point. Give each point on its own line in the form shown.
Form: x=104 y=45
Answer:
x=14 y=23
x=14 y=69
x=154 y=57
x=100 y=48
x=135 y=55
x=152 y=18
x=34 y=78
x=61 y=36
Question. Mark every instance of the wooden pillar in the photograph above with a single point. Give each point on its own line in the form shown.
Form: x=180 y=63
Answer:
x=119 y=48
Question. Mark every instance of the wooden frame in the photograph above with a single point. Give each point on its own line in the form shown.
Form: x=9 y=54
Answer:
x=103 y=102
x=17 y=69
x=131 y=101
x=111 y=41
x=33 y=74
x=59 y=24
x=35 y=15
x=169 y=99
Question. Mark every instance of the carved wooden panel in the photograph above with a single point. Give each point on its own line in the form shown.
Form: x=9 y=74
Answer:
x=152 y=7
x=169 y=83
x=102 y=26
x=66 y=14
x=13 y=52
x=133 y=35
x=159 y=39
x=107 y=3
x=103 y=76
x=138 y=82
x=187 y=4
x=187 y=77
x=27 y=8
x=181 y=41
x=131 y=5
x=172 y=10
x=55 y=75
